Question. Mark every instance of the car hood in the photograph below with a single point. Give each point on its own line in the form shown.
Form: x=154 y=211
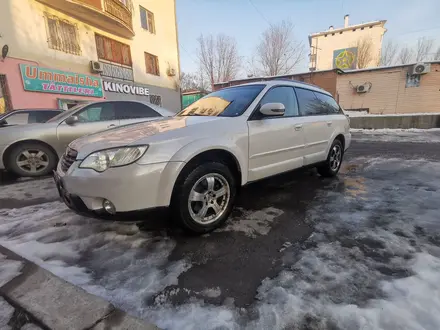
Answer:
x=135 y=133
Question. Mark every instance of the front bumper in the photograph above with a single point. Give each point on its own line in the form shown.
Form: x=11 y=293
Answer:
x=129 y=188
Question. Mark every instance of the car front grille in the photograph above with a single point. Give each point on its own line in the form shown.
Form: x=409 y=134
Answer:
x=68 y=159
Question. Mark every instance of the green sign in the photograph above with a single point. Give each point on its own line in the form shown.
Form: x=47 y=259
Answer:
x=37 y=79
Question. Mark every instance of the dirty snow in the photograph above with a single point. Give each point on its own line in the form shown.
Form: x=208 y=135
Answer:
x=397 y=135
x=373 y=261
x=30 y=189
x=6 y=312
x=8 y=269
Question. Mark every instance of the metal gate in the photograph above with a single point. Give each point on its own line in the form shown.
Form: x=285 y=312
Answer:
x=5 y=100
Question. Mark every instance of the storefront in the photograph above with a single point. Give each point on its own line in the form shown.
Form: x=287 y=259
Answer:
x=26 y=85
x=116 y=90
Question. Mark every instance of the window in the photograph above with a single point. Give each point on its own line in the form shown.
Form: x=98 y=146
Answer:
x=130 y=110
x=147 y=20
x=43 y=116
x=62 y=36
x=97 y=112
x=329 y=102
x=112 y=50
x=309 y=105
x=284 y=95
x=228 y=102
x=152 y=64
x=20 y=118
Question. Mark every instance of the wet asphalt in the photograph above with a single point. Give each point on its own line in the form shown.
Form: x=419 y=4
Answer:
x=234 y=261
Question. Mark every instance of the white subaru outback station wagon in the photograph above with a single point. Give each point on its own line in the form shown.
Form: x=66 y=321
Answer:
x=195 y=161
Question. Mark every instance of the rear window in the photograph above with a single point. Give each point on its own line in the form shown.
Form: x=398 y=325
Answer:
x=330 y=102
x=229 y=102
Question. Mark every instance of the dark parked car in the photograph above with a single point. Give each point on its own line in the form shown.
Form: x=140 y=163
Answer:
x=27 y=116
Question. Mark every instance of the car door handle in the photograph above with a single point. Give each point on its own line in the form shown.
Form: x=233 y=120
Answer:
x=329 y=123
x=298 y=127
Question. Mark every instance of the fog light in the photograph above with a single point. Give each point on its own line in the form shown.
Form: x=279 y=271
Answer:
x=108 y=207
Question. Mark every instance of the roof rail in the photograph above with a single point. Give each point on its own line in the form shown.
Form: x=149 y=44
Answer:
x=297 y=81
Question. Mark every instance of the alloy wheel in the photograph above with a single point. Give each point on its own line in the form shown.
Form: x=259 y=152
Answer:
x=32 y=160
x=209 y=198
x=335 y=157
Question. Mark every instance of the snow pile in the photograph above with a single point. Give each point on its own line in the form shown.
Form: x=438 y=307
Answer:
x=30 y=189
x=413 y=135
x=8 y=269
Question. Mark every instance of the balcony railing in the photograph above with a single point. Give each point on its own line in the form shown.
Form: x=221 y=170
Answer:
x=120 y=9
x=114 y=16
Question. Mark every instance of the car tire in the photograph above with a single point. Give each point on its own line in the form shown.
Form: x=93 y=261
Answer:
x=331 y=166
x=210 y=189
x=32 y=160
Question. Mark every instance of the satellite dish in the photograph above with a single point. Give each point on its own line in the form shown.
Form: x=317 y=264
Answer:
x=5 y=51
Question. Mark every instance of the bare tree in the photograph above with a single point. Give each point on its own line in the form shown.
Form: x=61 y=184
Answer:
x=406 y=55
x=218 y=57
x=389 y=53
x=364 y=52
x=424 y=46
x=193 y=81
x=437 y=54
x=278 y=51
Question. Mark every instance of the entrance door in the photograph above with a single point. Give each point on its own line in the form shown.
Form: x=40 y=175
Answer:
x=276 y=143
x=65 y=104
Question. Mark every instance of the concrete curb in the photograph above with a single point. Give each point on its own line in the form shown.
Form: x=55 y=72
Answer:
x=56 y=304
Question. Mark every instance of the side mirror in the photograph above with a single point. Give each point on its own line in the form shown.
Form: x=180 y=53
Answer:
x=72 y=120
x=273 y=109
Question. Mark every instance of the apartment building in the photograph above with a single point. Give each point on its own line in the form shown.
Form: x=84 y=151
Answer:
x=349 y=47
x=58 y=53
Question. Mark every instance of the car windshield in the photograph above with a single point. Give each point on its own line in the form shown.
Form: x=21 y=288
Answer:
x=229 y=102
x=66 y=113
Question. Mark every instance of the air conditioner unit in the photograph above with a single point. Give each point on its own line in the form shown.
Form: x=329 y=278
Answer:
x=96 y=67
x=420 y=68
x=171 y=72
x=363 y=88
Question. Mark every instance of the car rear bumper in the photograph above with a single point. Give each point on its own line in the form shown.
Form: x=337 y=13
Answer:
x=347 y=137
x=129 y=188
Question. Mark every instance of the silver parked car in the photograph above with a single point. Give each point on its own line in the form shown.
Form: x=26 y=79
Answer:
x=195 y=161
x=34 y=149
x=27 y=116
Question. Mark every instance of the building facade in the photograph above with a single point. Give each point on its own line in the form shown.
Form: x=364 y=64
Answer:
x=58 y=53
x=391 y=90
x=349 y=47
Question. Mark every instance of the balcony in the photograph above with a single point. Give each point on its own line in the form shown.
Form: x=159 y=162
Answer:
x=113 y=16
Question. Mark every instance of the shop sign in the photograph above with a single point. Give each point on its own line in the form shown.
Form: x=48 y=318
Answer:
x=37 y=79
x=125 y=88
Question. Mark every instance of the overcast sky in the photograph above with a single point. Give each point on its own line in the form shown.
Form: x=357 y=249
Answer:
x=407 y=20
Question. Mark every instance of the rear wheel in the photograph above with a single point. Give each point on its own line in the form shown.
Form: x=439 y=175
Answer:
x=204 y=199
x=334 y=160
x=32 y=160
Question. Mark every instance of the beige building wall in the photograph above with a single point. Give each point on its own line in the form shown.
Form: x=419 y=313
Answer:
x=324 y=43
x=388 y=93
x=23 y=28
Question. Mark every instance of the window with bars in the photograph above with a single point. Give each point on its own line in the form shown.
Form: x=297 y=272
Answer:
x=112 y=50
x=147 y=20
x=62 y=35
x=152 y=64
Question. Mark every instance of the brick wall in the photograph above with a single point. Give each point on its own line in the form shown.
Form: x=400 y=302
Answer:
x=388 y=93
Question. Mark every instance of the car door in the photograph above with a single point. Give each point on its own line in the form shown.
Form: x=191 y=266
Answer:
x=132 y=112
x=315 y=124
x=275 y=143
x=92 y=118
x=336 y=120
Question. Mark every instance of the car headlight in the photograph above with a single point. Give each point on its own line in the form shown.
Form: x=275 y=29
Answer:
x=104 y=159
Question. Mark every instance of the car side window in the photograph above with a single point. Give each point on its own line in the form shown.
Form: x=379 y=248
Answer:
x=44 y=116
x=309 y=104
x=20 y=118
x=332 y=105
x=97 y=112
x=284 y=95
x=132 y=110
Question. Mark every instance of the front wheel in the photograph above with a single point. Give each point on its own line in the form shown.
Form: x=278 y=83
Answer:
x=204 y=199
x=32 y=160
x=334 y=160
